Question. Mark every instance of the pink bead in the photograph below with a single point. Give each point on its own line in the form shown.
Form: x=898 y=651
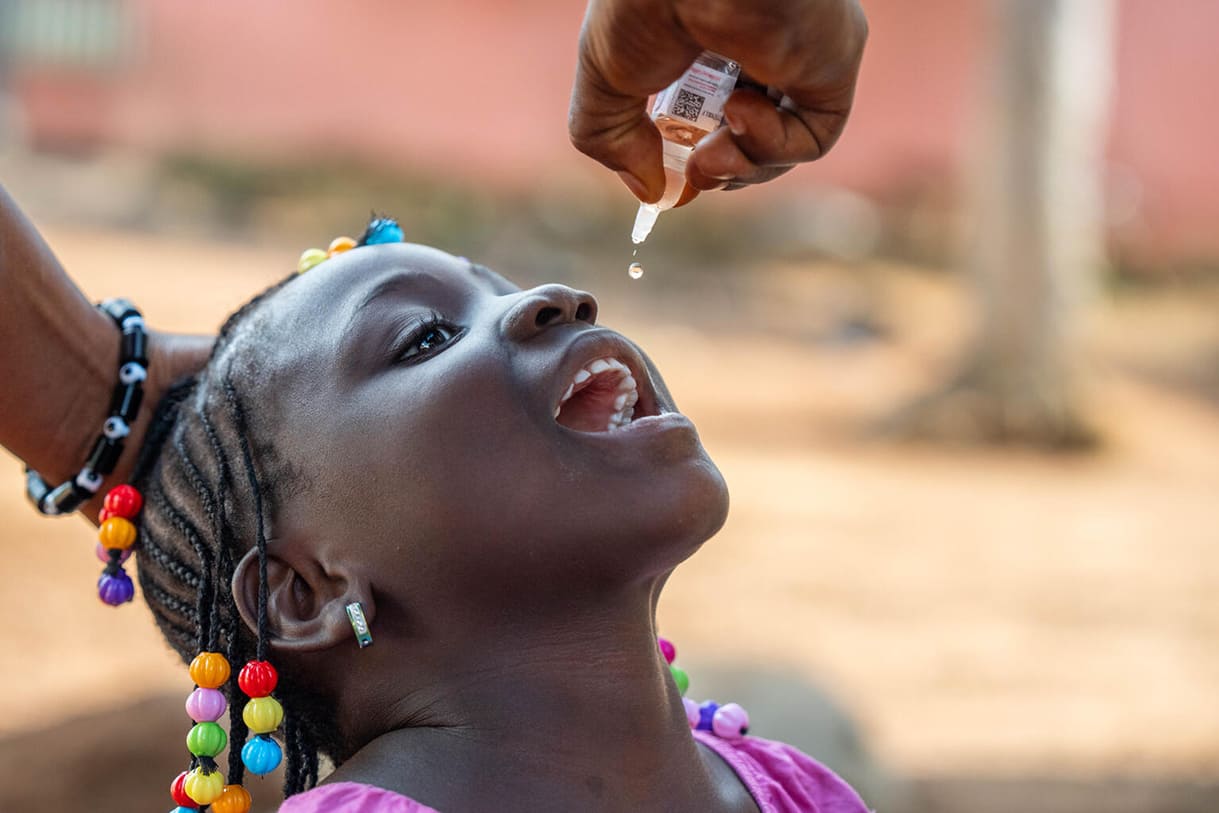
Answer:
x=730 y=721
x=104 y=554
x=667 y=649
x=691 y=711
x=205 y=705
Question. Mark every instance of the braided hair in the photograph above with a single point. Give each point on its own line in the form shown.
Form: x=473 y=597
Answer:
x=210 y=488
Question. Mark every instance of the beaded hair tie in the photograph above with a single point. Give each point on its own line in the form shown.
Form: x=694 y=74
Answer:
x=728 y=721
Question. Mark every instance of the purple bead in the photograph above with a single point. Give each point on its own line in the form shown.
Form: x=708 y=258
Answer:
x=691 y=711
x=103 y=553
x=115 y=590
x=706 y=713
x=666 y=649
x=730 y=721
x=205 y=705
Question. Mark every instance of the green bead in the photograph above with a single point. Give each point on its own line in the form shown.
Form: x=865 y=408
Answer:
x=206 y=740
x=680 y=677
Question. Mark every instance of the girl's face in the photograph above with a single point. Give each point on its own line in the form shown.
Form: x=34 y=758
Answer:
x=461 y=440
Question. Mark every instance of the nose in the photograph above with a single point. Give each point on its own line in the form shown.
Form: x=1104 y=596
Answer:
x=548 y=306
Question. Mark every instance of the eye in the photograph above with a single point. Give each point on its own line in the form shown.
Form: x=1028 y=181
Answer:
x=427 y=339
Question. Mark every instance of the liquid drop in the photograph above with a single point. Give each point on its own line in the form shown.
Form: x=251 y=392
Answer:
x=635 y=270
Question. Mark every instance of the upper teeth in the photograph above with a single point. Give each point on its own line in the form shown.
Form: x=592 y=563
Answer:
x=624 y=399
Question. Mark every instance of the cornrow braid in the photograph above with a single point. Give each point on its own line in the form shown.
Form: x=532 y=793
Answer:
x=201 y=514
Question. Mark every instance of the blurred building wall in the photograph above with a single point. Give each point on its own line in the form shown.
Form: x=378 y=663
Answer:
x=479 y=89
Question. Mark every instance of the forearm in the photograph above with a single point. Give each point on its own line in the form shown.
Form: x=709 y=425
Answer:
x=58 y=354
x=59 y=361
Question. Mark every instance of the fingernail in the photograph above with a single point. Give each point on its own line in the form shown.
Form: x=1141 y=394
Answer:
x=735 y=123
x=638 y=188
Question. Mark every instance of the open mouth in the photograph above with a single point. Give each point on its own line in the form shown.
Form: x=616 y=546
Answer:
x=601 y=397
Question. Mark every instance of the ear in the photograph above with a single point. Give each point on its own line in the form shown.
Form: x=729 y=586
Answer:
x=306 y=601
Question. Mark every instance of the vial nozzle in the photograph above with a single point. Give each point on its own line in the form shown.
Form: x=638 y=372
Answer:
x=644 y=221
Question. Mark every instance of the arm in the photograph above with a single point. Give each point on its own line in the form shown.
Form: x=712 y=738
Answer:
x=629 y=49
x=59 y=361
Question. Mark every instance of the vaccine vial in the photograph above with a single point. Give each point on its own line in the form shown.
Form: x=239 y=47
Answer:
x=684 y=113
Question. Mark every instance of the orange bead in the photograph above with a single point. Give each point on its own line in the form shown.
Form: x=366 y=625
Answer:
x=234 y=799
x=116 y=532
x=340 y=244
x=209 y=670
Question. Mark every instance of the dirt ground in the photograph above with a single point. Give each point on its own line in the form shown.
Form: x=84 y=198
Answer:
x=980 y=612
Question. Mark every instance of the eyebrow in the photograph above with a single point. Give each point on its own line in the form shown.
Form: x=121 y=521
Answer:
x=396 y=284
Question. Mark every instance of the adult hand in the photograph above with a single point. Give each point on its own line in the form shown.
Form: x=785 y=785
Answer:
x=629 y=49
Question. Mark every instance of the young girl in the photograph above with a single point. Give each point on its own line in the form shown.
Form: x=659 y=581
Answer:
x=400 y=445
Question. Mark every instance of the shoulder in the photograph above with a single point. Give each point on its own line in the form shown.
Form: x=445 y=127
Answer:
x=784 y=779
x=351 y=797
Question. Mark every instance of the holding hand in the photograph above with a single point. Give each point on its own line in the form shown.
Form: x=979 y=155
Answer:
x=630 y=49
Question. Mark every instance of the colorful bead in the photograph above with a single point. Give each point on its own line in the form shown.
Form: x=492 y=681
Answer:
x=340 y=244
x=706 y=713
x=103 y=515
x=680 y=678
x=115 y=589
x=124 y=501
x=186 y=809
x=204 y=788
x=263 y=714
x=209 y=670
x=205 y=705
x=103 y=553
x=667 y=649
x=116 y=532
x=177 y=789
x=382 y=230
x=309 y=258
x=234 y=799
x=206 y=739
x=691 y=711
x=261 y=755
x=258 y=679
x=730 y=721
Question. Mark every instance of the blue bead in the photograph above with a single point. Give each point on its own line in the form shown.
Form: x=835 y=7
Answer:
x=383 y=230
x=261 y=755
x=185 y=810
x=706 y=713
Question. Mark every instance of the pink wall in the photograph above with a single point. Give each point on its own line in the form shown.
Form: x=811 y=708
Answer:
x=481 y=88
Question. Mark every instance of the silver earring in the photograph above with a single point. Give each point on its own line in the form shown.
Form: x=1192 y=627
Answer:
x=355 y=614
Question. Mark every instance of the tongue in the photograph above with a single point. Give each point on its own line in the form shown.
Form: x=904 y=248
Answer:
x=589 y=410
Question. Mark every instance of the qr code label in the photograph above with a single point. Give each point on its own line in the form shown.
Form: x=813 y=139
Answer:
x=688 y=105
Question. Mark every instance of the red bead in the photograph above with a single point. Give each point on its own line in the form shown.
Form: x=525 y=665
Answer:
x=258 y=678
x=103 y=515
x=178 y=791
x=124 y=501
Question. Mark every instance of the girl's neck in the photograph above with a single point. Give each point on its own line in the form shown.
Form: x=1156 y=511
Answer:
x=574 y=714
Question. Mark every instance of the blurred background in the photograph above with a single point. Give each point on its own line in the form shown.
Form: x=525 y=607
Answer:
x=962 y=375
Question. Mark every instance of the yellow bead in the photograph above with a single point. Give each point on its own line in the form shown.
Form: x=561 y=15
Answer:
x=116 y=532
x=204 y=788
x=340 y=244
x=209 y=670
x=234 y=799
x=309 y=258
x=263 y=714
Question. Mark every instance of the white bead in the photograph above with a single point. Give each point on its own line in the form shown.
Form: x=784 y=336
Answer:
x=133 y=319
x=115 y=428
x=131 y=372
x=90 y=481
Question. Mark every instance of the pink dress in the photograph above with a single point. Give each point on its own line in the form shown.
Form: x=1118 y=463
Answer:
x=780 y=778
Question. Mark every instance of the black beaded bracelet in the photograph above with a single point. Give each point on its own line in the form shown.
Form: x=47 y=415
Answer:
x=124 y=406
